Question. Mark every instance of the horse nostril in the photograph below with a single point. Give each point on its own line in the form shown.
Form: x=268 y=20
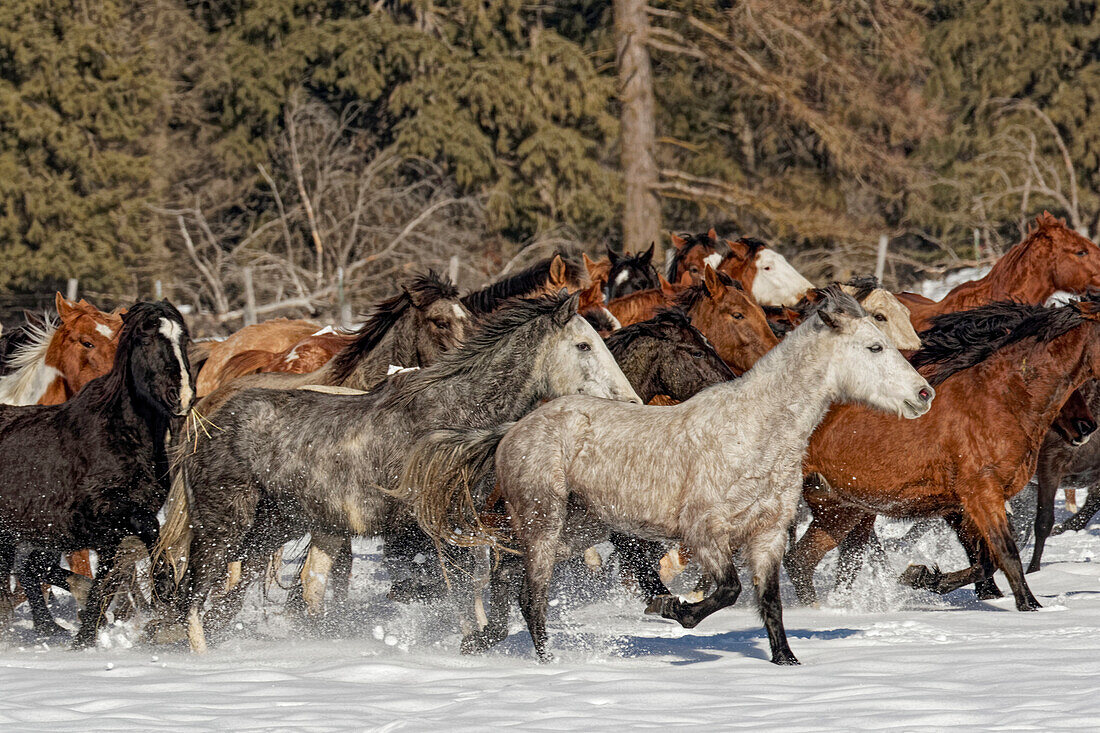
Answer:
x=925 y=394
x=1086 y=427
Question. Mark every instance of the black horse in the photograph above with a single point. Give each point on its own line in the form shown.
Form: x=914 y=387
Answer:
x=93 y=470
x=630 y=273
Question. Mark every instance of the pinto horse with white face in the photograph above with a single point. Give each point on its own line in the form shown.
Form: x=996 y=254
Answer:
x=721 y=471
x=93 y=470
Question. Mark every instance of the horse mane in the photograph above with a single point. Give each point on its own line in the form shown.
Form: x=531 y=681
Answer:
x=425 y=288
x=693 y=294
x=627 y=335
x=753 y=245
x=1041 y=230
x=27 y=359
x=960 y=340
x=473 y=354
x=524 y=282
x=690 y=241
x=104 y=391
x=863 y=285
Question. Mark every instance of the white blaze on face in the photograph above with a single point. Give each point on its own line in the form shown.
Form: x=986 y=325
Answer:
x=777 y=283
x=621 y=277
x=105 y=330
x=172 y=331
x=459 y=313
x=713 y=260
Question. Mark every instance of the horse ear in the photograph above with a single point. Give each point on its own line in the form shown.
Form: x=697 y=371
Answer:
x=558 y=277
x=714 y=285
x=712 y=233
x=647 y=256
x=677 y=241
x=829 y=318
x=614 y=258
x=567 y=309
x=589 y=263
x=65 y=308
x=685 y=280
x=666 y=286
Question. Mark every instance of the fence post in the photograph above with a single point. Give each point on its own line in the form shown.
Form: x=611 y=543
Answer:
x=342 y=300
x=977 y=244
x=71 y=290
x=452 y=269
x=880 y=263
x=158 y=290
x=249 y=298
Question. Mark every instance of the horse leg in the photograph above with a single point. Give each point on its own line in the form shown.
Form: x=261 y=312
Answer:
x=986 y=510
x=979 y=555
x=765 y=553
x=852 y=551
x=340 y=575
x=504 y=585
x=1050 y=477
x=831 y=524
x=689 y=615
x=99 y=597
x=1081 y=519
x=640 y=558
x=7 y=598
x=37 y=568
x=317 y=569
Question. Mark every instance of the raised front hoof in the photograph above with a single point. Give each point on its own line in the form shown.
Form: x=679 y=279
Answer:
x=786 y=659
x=480 y=641
x=411 y=590
x=920 y=576
x=673 y=609
x=51 y=630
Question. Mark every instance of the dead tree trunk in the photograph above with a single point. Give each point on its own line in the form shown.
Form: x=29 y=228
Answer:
x=642 y=210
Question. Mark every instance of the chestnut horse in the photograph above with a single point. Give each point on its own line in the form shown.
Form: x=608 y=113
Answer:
x=272 y=336
x=58 y=359
x=718 y=307
x=976 y=448
x=1051 y=258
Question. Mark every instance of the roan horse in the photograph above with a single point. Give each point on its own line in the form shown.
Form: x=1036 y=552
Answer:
x=978 y=447
x=287 y=462
x=577 y=467
x=58 y=359
x=93 y=470
x=1051 y=258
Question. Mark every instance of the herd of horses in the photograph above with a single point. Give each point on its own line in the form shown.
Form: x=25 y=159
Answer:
x=682 y=416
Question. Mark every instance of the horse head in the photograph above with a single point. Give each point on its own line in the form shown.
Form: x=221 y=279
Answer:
x=765 y=273
x=440 y=319
x=153 y=346
x=689 y=363
x=692 y=253
x=83 y=346
x=890 y=314
x=1075 y=259
x=730 y=318
x=868 y=369
x=630 y=273
x=1075 y=423
x=575 y=359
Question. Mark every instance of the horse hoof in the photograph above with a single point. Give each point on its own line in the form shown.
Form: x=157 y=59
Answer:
x=786 y=659
x=1032 y=605
x=989 y=594
x=1057 y=530
x=659 y=605
x=918 y=576
x=82 y=642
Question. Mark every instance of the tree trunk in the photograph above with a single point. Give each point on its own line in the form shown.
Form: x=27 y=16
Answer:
x=642 y=210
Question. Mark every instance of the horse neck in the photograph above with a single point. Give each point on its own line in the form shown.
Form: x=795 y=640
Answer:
x=792 y=385
x=637 y=364
x=1040 y=376
x=397 y=348
x=1024 y=274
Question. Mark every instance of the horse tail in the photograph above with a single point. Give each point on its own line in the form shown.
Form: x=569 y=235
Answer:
x=245 y=363
x=169 y=556
x=445 y=481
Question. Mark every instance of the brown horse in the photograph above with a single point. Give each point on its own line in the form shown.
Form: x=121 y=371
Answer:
x=308 y=355
x=977 y=447
x=1051 y=258
x=60 y=358
x=691 y=253
x=272 y=336
x=729 y=318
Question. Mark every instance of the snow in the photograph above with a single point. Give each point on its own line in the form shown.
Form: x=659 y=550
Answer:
x=938 y=287
x=883 y=658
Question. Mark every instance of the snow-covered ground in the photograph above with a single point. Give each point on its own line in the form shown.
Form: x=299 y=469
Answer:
x=883 y=658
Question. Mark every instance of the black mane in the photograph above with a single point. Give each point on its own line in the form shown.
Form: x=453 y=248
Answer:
x=960 y=340
x=863 y=285
x=665 y=318
x=689 y=298
x=424 y=289
x=524 y=282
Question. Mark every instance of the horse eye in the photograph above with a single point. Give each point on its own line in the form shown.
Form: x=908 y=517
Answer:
x=442 y=324
x=582 y=346
x=880 y=317
x=1082 y=253
x=768 y=267
x=738 y=316
x=87 y=344
x=697 y=354
x=875 y=349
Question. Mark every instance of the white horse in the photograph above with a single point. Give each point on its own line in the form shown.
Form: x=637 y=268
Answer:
x=721 y=471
